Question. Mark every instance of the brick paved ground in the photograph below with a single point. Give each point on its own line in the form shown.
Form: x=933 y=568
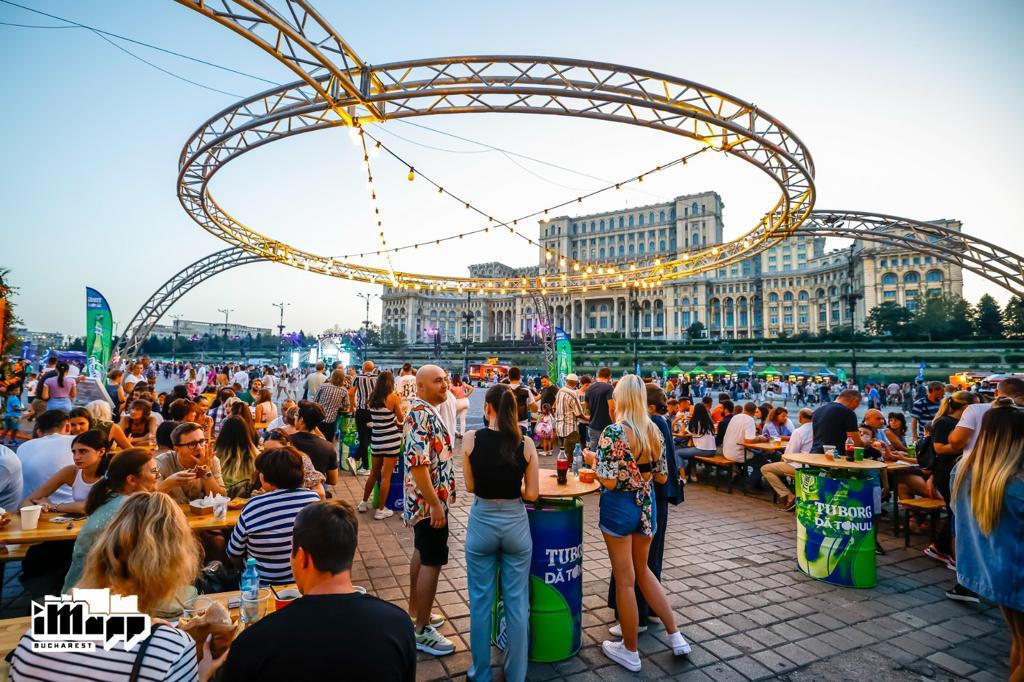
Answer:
x=731 y=576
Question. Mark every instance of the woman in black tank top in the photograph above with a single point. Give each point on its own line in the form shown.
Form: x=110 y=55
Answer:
x=498 y=463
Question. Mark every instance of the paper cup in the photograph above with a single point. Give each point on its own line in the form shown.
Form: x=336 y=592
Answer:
x=286 y=597
x=30 y=517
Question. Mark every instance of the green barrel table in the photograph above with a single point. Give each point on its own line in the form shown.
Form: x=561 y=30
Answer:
x=835 y=526
x=556 y=571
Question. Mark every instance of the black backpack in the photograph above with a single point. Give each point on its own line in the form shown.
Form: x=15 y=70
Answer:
x=522 y=403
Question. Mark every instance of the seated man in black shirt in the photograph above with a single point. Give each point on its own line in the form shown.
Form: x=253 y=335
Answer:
x=727 y=408
x=309 y=441
x=834 y=422
x=366 y=638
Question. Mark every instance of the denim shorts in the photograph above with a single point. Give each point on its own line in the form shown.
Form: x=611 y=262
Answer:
x=620 y=515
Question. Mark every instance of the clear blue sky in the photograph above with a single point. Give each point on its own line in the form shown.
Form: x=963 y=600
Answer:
x=908 y=108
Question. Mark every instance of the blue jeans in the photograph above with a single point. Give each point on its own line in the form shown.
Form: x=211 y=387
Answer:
x=498 y=531
x=59 y=404
x=684 y=455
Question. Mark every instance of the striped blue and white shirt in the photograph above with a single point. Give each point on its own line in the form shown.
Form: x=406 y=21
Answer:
x=170 y=656
x=264 y=532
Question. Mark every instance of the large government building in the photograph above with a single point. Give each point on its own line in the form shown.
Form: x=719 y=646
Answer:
x=792 y=287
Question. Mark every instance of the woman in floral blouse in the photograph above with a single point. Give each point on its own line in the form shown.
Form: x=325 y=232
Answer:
x=628 y=458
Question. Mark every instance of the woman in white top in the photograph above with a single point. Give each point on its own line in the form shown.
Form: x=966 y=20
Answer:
x=91 y=459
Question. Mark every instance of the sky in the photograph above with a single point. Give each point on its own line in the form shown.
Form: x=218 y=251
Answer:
x=904 y=107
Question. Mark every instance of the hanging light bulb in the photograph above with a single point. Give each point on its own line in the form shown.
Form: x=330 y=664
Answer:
x=412 y=174
x=353 y=134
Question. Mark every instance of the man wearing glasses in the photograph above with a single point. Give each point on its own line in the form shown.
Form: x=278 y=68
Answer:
x=190 y=471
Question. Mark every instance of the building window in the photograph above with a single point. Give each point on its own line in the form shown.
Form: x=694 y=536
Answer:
x=631 y=221
x=630 y=249
x=933 y=276
x=661 y=217
x=641 y=219
x=911 y=305
x=889 y=279
x=911 y=278
x=601 y=225
x=889 y=295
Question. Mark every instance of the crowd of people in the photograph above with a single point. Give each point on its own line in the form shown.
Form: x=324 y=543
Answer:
x=130 y=463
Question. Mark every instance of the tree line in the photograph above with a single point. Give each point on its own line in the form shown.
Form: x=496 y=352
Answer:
x=948 y=317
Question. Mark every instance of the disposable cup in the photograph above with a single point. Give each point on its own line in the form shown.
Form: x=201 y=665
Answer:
x=30 y=516
x=286 y=597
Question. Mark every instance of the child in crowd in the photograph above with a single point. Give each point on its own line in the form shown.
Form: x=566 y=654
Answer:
x=12 y=415
x=545 y=429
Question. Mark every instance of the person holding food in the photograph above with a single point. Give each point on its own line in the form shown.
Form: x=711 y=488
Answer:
x=190 y=471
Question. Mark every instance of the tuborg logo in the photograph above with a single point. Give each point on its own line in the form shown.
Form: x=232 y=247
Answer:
x=86 y=618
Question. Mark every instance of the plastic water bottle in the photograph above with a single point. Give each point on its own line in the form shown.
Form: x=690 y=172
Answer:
x=577 y=460
x=250 y=581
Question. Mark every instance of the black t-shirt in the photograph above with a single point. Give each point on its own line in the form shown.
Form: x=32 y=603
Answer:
x=722 y=427
x=367 y=638
x=598 y=395
x=941 y=429
x=830 y=424
x=42 y=380
x=320 y=452
x=547 y=395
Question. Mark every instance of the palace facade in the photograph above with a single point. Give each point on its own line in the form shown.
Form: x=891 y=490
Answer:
x=792 y=287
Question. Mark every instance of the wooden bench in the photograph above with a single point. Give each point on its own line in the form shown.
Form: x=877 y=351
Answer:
x=924 y=505
x=719 y=464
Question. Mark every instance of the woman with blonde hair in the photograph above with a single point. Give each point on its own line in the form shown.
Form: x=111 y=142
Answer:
x=628 y=458
x=102 y=420
x=988 y=498
x=237 y=453
x=148 y=551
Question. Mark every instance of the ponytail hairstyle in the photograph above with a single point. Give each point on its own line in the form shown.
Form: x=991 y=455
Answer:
x=502 y=400
x=62 y=369
x=119 y=467
x=96 y=440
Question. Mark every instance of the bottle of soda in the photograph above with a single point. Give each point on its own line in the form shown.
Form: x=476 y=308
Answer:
x=577 y=459
x=849 y=449
x=912 y=451
x=562 y=467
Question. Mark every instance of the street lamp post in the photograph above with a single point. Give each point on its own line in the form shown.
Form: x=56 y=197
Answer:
x=468 y=319
x=280 y=328
x=174 y=341
x=635 y=308
x=366 y=322
x=850 y=298
x=224 y=343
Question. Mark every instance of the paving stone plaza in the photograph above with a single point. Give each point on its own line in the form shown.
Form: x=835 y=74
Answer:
x=731 y=575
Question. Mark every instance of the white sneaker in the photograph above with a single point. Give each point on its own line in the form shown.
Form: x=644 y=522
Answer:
x=361 y=507
x=382 y=514
x=680 y=647
x=617 y=651
x=433 y=642
x=616 y=630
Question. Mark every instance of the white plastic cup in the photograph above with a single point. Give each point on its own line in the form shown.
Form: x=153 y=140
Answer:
x=30 y=516
x=220 y=510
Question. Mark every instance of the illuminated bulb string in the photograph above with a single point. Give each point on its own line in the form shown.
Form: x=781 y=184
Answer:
x=360 y=139
x=510 y=225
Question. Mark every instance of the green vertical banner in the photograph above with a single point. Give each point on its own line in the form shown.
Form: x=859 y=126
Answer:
x=99 y=333
x=563 y=358
x=835 y=531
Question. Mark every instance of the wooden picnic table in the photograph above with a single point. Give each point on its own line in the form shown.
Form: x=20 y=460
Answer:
x=48 y=531
x=765 y=445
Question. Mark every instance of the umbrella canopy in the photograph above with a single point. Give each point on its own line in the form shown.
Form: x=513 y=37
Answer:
x=697 y=369
x=675 y=370
x=797 y=372
x=720 y=370
x=825 y=373
x=770 y=371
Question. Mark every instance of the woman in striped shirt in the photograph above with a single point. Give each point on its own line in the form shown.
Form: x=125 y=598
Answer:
x=149 y=551
x=264 y=529
x=386 y=440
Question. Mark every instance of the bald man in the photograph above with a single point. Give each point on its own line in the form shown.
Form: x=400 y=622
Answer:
x=362 y=389
x=429 y=488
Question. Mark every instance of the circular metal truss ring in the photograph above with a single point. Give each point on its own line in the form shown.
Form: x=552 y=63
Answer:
x=484 y=84
x=990 y=261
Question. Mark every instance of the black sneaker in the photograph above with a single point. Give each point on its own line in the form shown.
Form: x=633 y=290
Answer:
x=961 y=593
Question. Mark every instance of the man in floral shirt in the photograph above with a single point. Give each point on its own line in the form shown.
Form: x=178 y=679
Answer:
x=429 y=488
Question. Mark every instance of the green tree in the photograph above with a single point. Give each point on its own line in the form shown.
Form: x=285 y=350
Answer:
x=988 y=320
x=696 y=330
x=944 y=317
x=889 y=319
x=9 y=320
x=1013 y=316
x=392 y=335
